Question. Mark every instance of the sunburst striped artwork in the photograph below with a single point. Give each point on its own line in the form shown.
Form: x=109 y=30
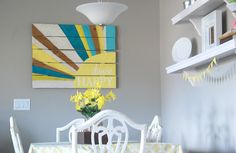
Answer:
x=73 y=56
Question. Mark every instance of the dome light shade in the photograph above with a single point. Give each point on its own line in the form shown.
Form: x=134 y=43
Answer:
x=102 y=13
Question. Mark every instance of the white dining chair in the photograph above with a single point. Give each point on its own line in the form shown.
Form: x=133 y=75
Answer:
x=115 y=126
x=69 y=126
x=15 y=136
x=154 y=131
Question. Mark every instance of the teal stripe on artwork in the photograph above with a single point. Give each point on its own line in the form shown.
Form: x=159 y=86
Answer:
x=110 y=40
x=89 y=39
x=111 y=44
x=69 y=30
x=110 y=31
x=48 y=72
x=74 y=38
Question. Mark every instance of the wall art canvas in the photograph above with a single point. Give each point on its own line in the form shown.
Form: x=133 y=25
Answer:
x=73 y=56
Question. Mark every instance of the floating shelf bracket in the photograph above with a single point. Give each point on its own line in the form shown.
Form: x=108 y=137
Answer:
x=197 y=24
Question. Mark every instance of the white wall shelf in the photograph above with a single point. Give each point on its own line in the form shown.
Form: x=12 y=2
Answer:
x=194 y=14
x=221 y=51
x=196 y=11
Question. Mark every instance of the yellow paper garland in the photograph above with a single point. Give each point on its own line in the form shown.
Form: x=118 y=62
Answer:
x=193 y=78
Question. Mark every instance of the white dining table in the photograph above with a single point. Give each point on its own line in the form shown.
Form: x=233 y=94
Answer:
x=52 y=147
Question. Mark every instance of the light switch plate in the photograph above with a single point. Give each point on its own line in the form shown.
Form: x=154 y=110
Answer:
x=21 y=104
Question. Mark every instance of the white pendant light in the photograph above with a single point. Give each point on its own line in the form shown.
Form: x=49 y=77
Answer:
x=102 y=13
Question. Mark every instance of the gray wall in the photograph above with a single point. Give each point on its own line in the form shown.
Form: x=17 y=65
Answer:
x=138 y=69
x=200 y=118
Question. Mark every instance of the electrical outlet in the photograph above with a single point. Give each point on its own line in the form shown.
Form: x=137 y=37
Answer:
x=21 y=104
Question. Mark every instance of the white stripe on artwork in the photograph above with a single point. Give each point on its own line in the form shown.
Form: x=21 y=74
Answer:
x=53 y=84
x=50 y=29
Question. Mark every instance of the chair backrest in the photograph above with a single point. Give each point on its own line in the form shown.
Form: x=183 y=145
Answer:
x=115 y=126
x=15 y=136
x=68 y=126
x=154 y=131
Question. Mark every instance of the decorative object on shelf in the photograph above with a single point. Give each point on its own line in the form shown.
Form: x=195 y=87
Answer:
x=102 y=13
x=211 y=29
x=221 y=73
x=73 y=56
x=227 y=36
x=233 y=25
x=231 y=5
x=186 y=4
x=201 y=75
x=154 y=131
x=91 y=101
x=230 y=34
x=182 y=49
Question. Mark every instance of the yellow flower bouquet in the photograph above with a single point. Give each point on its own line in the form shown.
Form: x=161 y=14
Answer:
x=91 y=101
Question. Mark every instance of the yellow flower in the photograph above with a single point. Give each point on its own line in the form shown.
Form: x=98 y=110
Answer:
x=113 y=96
x=110 y=96
x=71 y=98
x=91 y=99
x=77 y=97
x=92 y=93
x=100 y=102
x=86 y=101
x=77 y=106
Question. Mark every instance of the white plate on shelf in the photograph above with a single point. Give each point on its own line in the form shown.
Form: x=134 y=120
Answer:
x=182 y=49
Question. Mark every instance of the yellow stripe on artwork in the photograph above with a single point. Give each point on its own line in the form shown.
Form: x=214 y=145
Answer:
x=44 y=77
x=83 y=38
x=44 y=57
x=106 y=57
x=97 y=69
x=91 y=82
x=101 y=37
x=34 y=46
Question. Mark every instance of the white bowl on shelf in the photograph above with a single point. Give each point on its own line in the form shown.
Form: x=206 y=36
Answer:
x=232 y=6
